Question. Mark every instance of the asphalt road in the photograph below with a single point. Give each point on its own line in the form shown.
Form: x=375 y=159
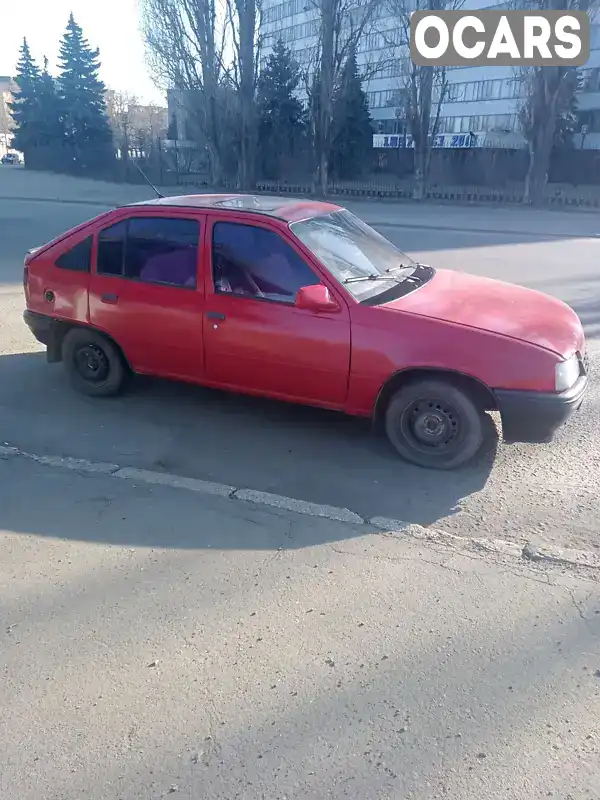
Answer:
x=160 y=643
x=156 y=643
x=517 y=492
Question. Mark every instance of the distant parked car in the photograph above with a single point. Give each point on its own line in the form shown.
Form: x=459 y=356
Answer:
x=10 y=158
x=302 y=301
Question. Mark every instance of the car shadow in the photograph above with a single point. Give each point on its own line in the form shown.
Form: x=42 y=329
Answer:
x=296 y=451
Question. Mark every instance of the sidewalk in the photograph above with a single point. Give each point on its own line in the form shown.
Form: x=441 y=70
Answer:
x=158 y=642
x=17 y=183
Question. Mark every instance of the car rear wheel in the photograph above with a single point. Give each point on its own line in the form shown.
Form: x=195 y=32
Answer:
x=94 y=364
x=435 y=424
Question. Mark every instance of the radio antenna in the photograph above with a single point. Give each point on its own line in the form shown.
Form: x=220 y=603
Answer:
x=148 y=181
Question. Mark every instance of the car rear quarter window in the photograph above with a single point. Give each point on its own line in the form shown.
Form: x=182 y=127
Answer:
x=77 y=258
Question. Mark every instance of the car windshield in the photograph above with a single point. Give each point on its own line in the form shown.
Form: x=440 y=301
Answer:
x=359 y=257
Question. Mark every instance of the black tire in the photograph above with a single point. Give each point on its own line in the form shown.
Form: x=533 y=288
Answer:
x=434 y=424
x=94 y=364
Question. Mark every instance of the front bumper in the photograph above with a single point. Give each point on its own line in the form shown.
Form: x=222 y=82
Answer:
x=536 y=416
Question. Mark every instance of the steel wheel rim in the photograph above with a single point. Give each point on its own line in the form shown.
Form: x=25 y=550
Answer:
x=91 y=363
x=432 y=426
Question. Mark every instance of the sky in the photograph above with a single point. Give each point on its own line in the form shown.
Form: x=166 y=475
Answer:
x=111 y=25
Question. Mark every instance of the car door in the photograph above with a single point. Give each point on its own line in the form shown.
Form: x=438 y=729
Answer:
x=265 y=344
x=147 y=289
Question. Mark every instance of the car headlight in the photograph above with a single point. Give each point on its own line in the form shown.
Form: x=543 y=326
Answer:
x=566 y=374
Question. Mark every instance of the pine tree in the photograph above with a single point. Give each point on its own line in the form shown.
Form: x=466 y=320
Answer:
x=352 y=142
x=24 y=108
x=52 y=131
x=282 y=121
x=81 y=92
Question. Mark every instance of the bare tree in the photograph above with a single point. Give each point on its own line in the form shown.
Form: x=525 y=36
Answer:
x=546 y=90
x=118 y=106
x=244 y=19
x=341 y=24
x=149 y=126
x=422 y=89
x=426 y=90
x=186 y=43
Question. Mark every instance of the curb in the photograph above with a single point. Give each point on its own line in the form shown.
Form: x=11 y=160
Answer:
x=486 y=231
x=104 y=203
x=543 y=554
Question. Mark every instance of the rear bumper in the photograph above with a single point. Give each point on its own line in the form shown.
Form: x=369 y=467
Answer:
x=42 y=327
x=536 y=416
x=46 y=330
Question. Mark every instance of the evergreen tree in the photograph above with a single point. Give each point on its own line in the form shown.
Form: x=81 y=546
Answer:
x=352 y=141
x=282 y=122
x=81 y=92
x=52 y=131
x=24 y=108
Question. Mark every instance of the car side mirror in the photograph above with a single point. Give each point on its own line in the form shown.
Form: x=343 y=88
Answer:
x=316 y=298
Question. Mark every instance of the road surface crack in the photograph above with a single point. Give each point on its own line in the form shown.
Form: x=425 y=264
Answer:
x=576 y=605
x=397 y=559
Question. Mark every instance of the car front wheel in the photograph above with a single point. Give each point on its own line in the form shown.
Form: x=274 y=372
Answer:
x=435 y=424
x=94 y=364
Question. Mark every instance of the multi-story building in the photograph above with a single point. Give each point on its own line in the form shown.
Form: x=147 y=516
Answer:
x=7 y=88
x=483 y=101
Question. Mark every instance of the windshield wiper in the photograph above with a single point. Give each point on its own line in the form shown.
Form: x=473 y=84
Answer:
x=358 y=278
x=406 y=268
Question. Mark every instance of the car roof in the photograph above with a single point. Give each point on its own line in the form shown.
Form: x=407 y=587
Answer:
x=288 y=209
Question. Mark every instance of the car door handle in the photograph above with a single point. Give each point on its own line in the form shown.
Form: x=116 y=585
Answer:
x=215 y=315
x=109 y=298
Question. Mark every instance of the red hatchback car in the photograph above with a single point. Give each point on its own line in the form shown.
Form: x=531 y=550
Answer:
x=304 y=302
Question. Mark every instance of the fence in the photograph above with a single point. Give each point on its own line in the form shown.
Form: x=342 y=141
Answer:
x=556 y=195
x=465 y=175
x=495 y=175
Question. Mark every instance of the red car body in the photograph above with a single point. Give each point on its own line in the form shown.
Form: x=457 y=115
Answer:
x=500 y=342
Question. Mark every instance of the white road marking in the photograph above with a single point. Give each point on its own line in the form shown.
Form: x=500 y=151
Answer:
x=547 y=553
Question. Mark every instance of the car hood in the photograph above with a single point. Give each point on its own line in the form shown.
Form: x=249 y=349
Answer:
x=497 y=307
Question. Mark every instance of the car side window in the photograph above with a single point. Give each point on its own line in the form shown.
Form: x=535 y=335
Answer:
x=77 y=258
x=163 y=250
x=255 y=262
x=152 y=250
